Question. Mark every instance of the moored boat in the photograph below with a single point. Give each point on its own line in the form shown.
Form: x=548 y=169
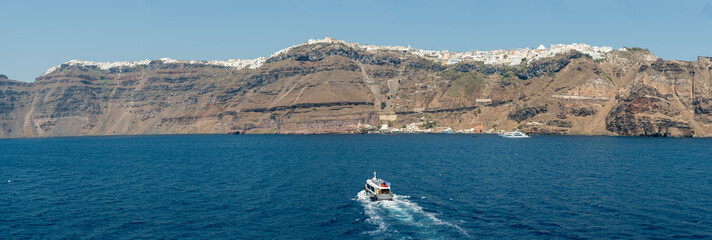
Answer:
x=448 y=131
x=378 y=189
x=515 y=134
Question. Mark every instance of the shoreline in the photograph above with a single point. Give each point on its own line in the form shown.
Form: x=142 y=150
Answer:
x=336 y=133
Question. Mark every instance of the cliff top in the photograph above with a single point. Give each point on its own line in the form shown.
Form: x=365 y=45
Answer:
x=493 y=57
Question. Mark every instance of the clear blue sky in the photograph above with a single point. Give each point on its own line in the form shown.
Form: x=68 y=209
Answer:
x=36 y=35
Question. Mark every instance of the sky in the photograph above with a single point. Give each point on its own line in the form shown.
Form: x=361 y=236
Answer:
x=37 y=35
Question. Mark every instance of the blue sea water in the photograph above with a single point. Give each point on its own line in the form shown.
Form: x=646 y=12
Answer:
x=310 y=187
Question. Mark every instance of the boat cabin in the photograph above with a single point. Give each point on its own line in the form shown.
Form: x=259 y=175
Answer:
x=378 y=189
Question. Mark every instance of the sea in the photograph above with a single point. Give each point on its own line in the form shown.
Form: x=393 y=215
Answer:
x=454 y=186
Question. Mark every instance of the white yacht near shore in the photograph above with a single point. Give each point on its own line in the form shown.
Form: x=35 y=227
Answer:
x=515 y=134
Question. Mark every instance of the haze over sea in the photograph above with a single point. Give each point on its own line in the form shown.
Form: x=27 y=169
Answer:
x=309 y=187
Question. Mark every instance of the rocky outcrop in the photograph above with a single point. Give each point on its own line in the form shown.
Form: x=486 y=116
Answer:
x=14 y=98
x=338 y=88
x=525 y=71
x=583 y=112
x=559 y=123
x=318 y=52
x=526 y=112
x=644 y=112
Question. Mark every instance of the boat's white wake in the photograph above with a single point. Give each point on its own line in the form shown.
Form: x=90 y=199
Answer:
x=404 y=218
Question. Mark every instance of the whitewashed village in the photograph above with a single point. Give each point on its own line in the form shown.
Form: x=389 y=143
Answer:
x=493 y=57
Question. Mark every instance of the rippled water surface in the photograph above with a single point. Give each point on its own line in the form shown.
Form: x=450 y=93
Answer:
x=296 y=187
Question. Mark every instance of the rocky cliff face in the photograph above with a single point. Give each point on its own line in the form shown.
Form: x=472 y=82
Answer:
x=335 y=88
x=645 y=112
x=14 y=98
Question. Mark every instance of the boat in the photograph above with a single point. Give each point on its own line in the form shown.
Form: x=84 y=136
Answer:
x=515 y=134
x=378 y=189
x=448 y=131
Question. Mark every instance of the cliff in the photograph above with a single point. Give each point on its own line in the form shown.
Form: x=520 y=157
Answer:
x=334 y=87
